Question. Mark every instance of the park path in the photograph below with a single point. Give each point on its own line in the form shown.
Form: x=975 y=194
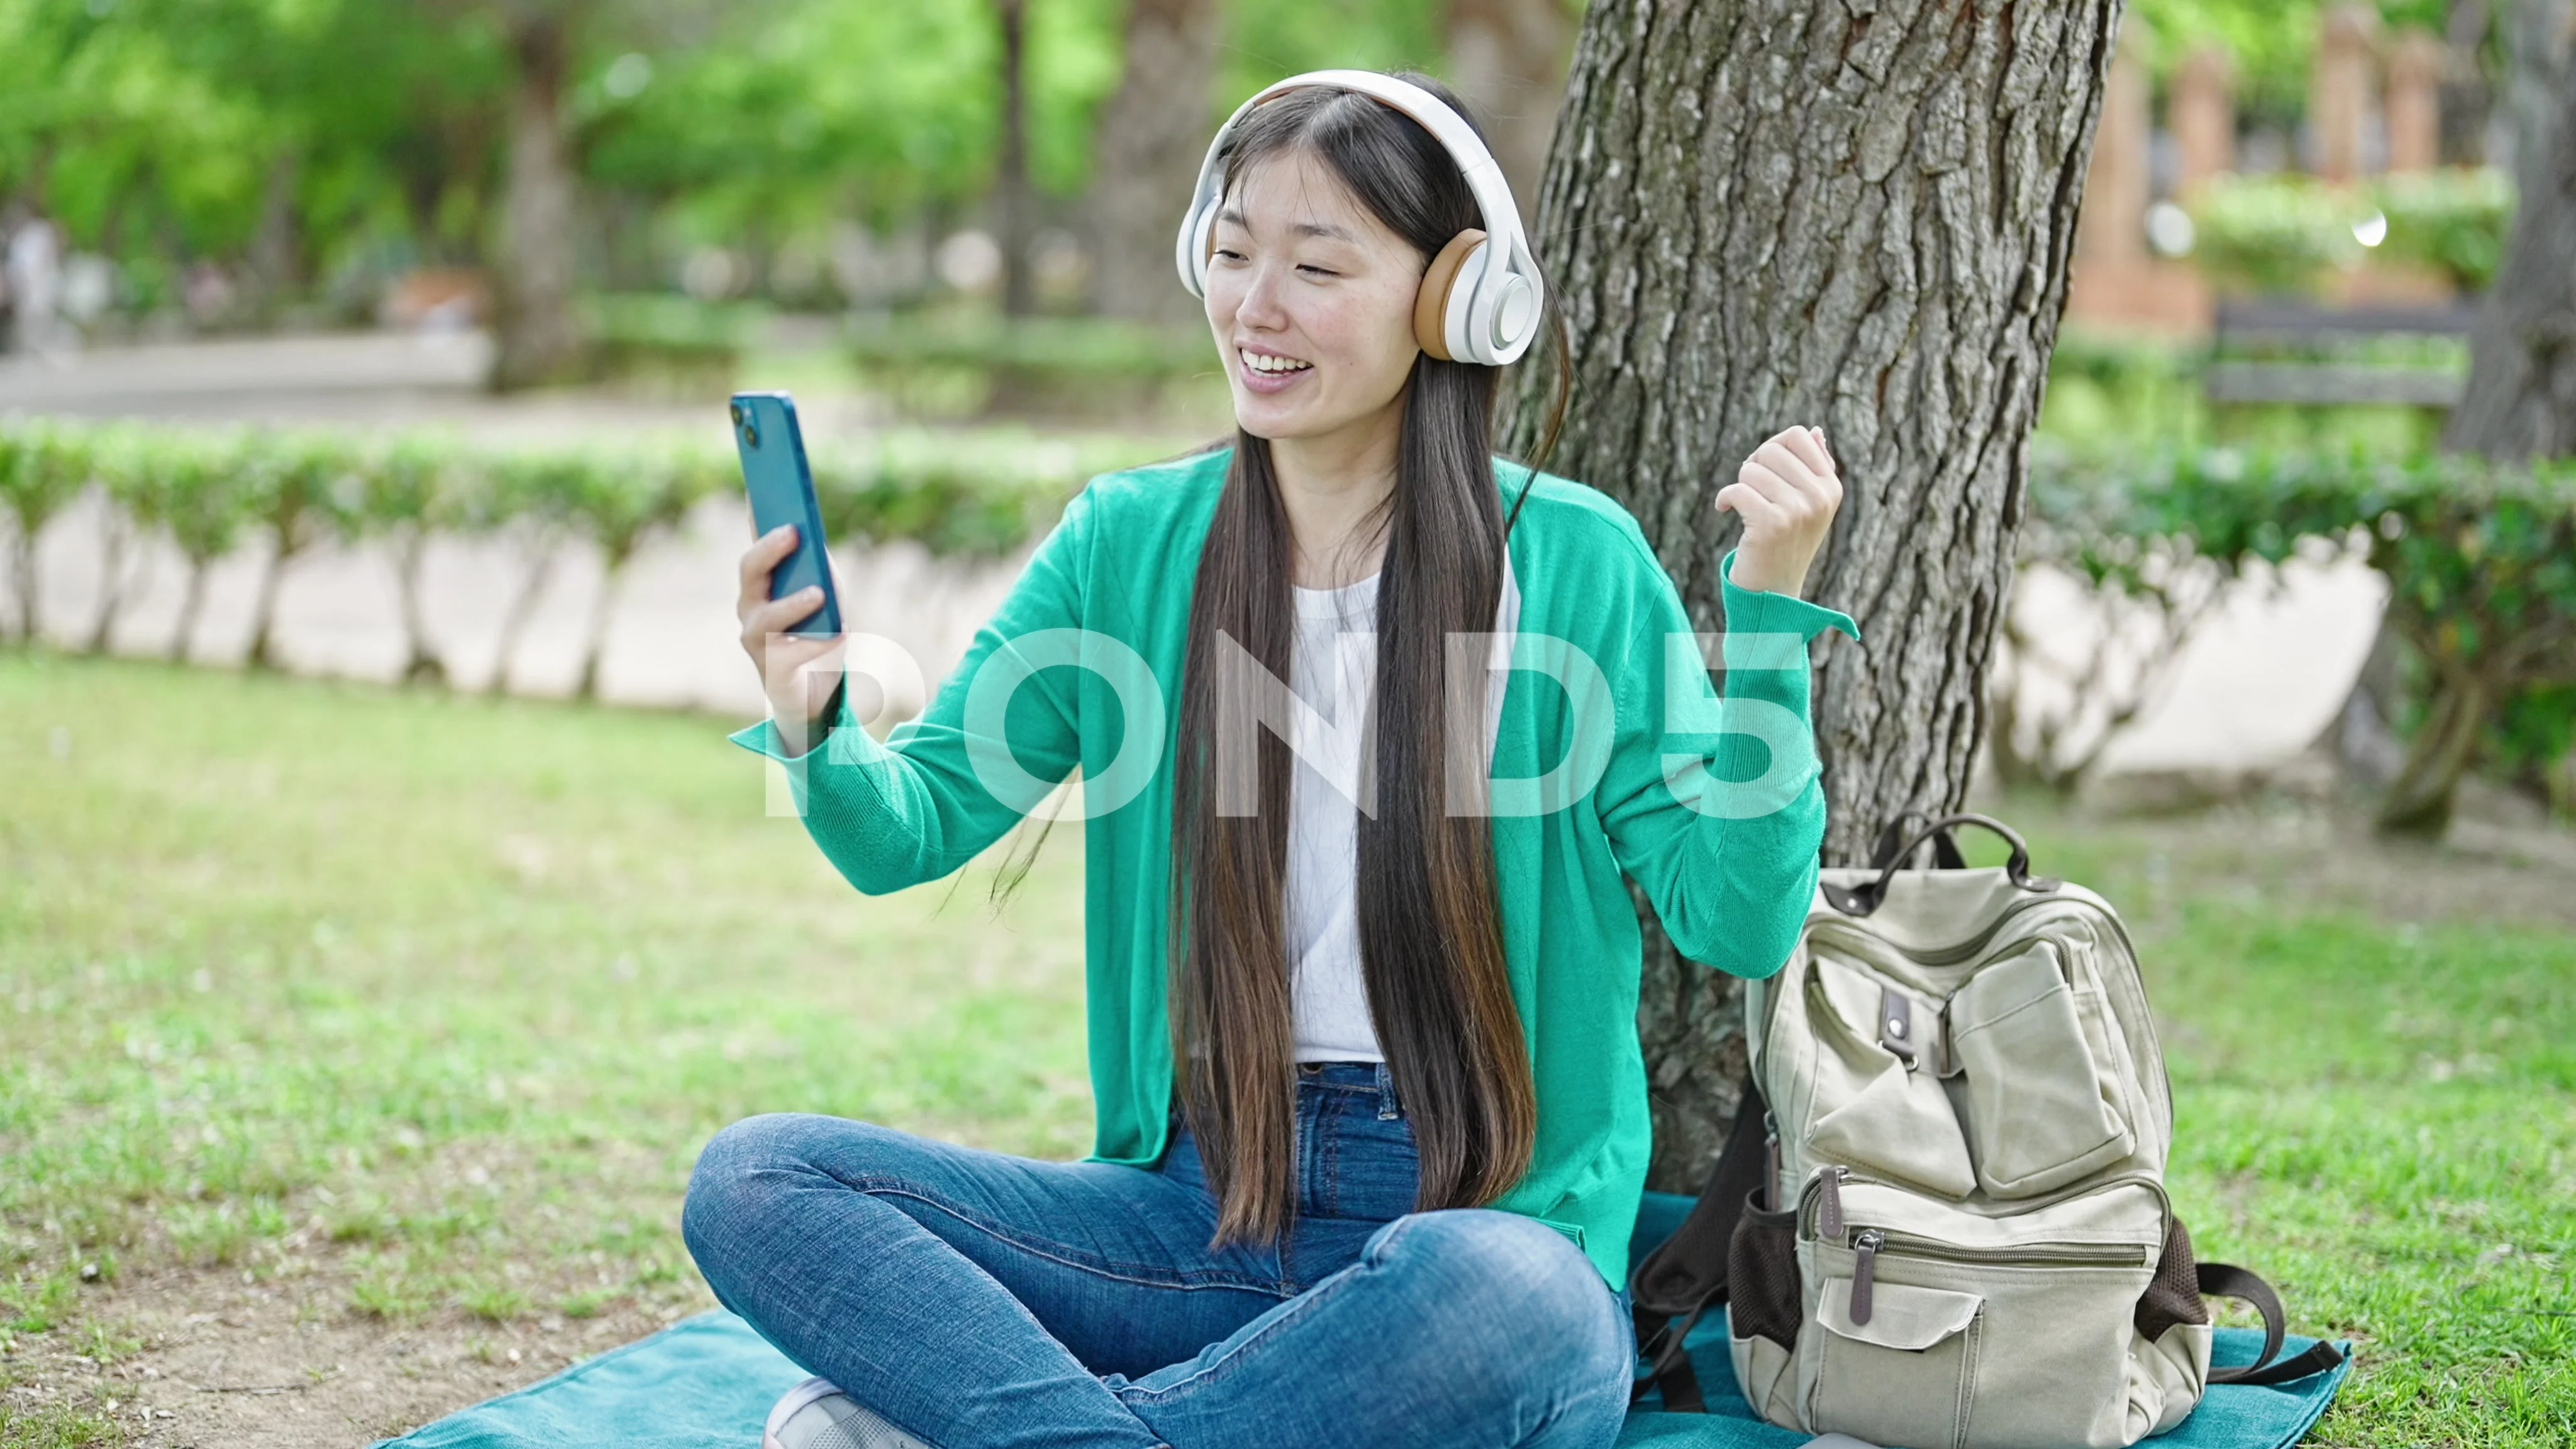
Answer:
x=2258 y=682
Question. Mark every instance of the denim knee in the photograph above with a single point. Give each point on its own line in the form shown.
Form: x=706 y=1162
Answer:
x=725 y=1188
x=1500 y=1268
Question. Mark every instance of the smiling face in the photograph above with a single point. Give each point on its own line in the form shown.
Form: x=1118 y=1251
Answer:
x=1310 y=298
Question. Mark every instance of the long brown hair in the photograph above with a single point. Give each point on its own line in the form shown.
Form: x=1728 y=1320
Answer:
x=1430 y=925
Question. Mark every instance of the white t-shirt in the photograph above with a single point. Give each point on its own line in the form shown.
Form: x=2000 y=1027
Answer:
x=1333 y=667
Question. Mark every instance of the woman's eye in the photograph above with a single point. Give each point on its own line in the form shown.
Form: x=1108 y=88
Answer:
x=1318 y=271
x=1230 y=255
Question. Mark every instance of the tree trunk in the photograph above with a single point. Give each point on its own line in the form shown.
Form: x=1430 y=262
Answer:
x=603 y=608
x=1509 y=57
x=1014 y=208
x=1795 y=213
x=2465 y=100
x=421 y=663
x=533 y=302
x=22 y=574
x=273 y=250
x=192 y=598
x=2419 y=802
x=522 y=611
x=1151 y=134
x=263 y=634
x=2521 y=398
x=115 y=534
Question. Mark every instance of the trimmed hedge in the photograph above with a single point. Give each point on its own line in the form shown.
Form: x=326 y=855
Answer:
x=208 y=490
x=2480 y=560
x=945 y=362
x=2284 y=233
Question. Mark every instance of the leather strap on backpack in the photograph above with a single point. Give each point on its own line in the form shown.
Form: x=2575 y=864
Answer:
x=1686 y=1273
x=2225 y=1280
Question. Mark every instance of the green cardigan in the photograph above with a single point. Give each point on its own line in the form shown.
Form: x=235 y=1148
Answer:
x=1731 y=892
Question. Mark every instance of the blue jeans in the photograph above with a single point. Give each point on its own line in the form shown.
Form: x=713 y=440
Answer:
x=979 y=1300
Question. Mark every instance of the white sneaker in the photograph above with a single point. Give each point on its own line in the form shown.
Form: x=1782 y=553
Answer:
x=817 y=1415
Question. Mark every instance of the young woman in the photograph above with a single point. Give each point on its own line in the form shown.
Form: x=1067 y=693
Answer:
x=1371 y=1113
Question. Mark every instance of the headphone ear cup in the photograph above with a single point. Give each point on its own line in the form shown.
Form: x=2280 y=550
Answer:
x=1504 y=318
x=1462 y=261
x=1198 y=231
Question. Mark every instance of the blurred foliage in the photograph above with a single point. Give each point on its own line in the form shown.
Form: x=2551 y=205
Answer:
x=2285 y=233
x=980 y=494
x=2273 y=233
x=945 y=362
x=1073 y=344
x=2479 y=558
x=2452 y=220
x=158 y=127
x=369 y=137
x=2268 y=42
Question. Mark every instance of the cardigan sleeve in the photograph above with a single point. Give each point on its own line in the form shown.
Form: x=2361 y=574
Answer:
x=1716 y=808
x=924 y=802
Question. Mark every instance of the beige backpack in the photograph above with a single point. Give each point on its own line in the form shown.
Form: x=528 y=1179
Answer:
x=1941 y=1222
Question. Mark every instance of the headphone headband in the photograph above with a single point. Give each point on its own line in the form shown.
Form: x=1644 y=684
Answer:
x=1509 y=266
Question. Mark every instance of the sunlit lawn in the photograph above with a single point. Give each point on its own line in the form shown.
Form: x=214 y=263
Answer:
x=443 y=995
x=291 y=970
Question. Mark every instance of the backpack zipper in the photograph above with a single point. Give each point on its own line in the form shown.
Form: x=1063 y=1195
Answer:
x=2067 y=1255
x=1864 y=1271
x=1826 y=1223
x=1829 y=1200
x=1868 y=1243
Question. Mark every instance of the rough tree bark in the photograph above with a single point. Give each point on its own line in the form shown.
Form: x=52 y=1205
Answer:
x=1150 y=136
x=2521 y=398
x=538 y=341
x=1508 y=59
x=1766 y=212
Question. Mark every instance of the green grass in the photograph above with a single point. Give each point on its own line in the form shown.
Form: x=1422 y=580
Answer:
x=2380 y=1118
x=446 y=993
x=451 y=991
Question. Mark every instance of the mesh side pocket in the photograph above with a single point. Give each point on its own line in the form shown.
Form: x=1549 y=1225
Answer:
x=2173 y=1295
x=1762 y=1275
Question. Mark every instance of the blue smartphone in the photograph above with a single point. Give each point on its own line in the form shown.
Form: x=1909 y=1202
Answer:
x=781 y=485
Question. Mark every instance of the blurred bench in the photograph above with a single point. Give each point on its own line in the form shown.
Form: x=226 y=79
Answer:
x=2265 y=324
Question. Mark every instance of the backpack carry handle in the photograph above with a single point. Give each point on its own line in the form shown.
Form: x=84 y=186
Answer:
x=1891 y=844
x=1862 y=900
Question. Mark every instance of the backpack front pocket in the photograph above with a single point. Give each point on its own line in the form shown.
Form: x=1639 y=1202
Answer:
x=1895 y=1363
x=1873 y=1109
x=1934 y=1327
x=2047 y=1102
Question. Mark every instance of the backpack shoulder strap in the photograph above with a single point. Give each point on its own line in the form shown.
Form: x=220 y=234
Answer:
x=2225 y=1280
x=1686 y=1273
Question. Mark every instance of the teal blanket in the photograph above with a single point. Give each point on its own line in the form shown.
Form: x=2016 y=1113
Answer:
x=707 y=1383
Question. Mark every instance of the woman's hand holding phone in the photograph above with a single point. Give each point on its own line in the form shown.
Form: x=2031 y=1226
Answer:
x=799 y=672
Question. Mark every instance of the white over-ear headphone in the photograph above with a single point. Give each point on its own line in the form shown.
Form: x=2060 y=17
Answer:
x=1479 y=300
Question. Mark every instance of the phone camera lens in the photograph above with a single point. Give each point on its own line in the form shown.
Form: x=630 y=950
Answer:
x=751 y=433
x=737 y=414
